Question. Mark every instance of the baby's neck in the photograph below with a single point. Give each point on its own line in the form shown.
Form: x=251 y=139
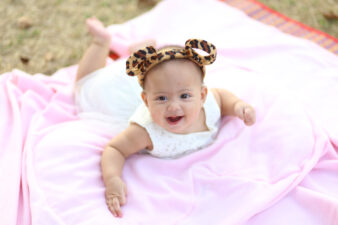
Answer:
x=201 y=124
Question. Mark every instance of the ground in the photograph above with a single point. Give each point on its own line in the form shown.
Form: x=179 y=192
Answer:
x=39 y=36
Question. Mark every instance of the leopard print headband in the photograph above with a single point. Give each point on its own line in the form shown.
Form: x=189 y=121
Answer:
x=140 y=62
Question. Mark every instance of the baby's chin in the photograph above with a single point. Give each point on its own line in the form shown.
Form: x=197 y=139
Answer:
x=176 y=129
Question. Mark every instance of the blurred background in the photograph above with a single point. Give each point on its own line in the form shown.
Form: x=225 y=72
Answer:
x=41 y=36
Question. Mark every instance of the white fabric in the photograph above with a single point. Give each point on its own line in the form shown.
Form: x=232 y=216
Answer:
x=108 y=95
x=171 y=145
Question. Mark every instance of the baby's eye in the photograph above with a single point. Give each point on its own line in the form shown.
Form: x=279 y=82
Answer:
x=185 y=95
x=162 y=98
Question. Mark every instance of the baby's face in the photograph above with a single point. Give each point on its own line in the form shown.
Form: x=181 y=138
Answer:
x=174 y=95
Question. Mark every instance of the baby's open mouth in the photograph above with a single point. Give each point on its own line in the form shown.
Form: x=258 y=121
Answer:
x=174 y=119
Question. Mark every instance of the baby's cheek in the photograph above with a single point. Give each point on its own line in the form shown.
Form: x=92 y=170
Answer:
x=195 y=111
x=156 y=115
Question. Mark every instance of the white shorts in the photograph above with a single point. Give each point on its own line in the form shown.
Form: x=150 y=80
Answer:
x=108 y=95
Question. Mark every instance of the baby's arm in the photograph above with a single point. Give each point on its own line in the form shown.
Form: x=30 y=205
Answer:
x=130 y=141
x=231 y=105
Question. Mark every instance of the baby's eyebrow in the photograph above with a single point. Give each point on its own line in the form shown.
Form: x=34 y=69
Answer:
x=185 y=89
x=165 y=93
x=160 y=93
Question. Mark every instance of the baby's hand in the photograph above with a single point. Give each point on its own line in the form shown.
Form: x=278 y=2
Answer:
x=245 y=112
x=116 y=193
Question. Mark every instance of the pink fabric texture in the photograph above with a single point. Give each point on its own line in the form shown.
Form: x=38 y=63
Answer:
x=282 y=170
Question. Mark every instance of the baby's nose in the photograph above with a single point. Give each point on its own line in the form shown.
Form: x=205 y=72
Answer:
x=173 y=106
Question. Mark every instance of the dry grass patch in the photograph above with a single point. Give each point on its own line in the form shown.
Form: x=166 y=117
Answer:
x=319 y=14
x=57 y=35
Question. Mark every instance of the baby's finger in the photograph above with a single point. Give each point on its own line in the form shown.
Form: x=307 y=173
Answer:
x=240 y=113
x=125 y=189
x=249 y=116
x=123 y=197
x=117 y=208
x=122 y=200
x=111 y=206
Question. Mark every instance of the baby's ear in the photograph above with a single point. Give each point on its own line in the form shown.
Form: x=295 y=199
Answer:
x=204 y=93
x=144 y=98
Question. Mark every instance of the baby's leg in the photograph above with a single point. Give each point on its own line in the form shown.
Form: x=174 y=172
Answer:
x=142 y=44
x=96 y=54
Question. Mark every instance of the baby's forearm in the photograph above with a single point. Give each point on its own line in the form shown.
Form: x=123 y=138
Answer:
x=227 y=101
x=112 y=162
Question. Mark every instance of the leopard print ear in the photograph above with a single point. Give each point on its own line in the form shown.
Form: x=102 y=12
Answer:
x=202 y=45
x=139 y=61
x=144 y=59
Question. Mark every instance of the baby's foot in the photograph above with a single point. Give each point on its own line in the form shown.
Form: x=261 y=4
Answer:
x=100 y=34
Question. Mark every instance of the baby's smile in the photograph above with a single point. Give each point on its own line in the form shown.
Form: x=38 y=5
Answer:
x=173 y=120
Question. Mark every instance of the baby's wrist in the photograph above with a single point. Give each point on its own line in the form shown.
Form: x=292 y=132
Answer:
x=235 y=105
x=111 y=179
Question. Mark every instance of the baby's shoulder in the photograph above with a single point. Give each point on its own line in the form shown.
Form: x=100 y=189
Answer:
x=139 y=135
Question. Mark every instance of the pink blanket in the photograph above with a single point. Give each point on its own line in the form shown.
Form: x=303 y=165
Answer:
x=282 y=170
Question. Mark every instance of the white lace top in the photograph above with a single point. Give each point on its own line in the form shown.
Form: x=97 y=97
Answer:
x=171 y=145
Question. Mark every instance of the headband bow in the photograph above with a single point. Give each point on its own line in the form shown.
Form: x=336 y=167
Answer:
x=140 y=62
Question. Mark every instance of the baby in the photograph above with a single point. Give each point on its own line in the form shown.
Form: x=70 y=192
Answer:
x=178 y=115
